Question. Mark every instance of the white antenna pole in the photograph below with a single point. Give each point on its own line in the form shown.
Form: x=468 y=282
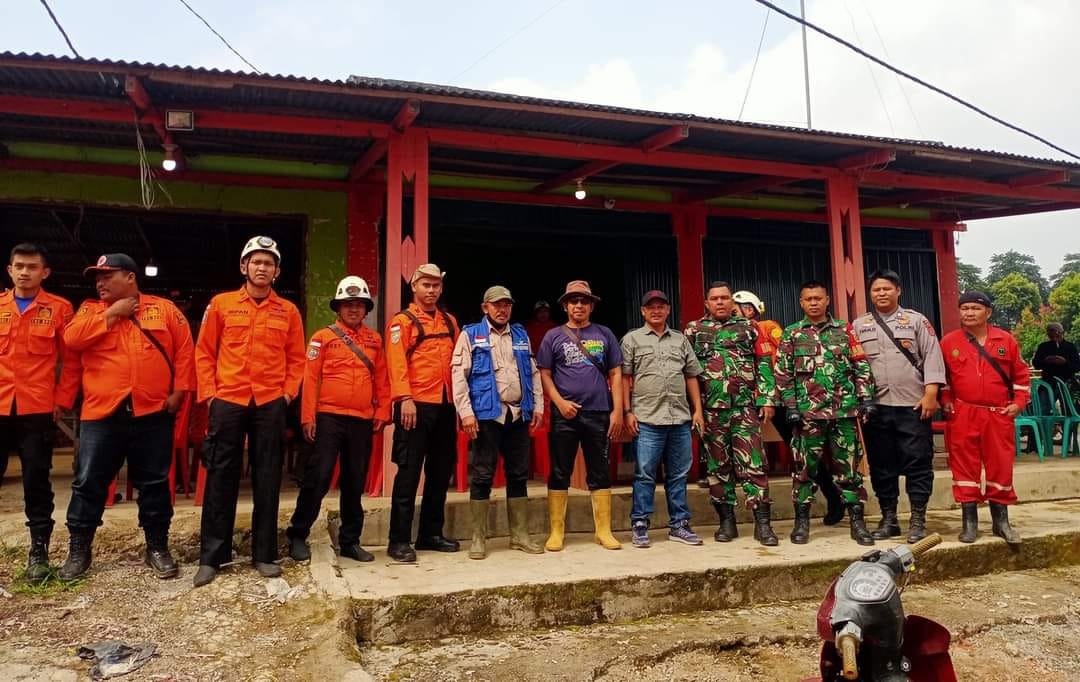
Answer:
x=806 y=62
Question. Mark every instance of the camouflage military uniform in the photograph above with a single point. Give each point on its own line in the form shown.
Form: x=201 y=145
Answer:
x=822 y=372
x=737 y=379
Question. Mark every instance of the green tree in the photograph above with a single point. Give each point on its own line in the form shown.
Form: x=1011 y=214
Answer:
x=1031 y=330
x=1004 y=264
x=1066 y=300
x=1013 y=294
x=1071 y=266
x=969 y=277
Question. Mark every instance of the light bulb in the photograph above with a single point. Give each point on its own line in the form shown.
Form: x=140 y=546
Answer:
x=169 y=165
x=151 y=269
x=580 y=193
x=169 y=162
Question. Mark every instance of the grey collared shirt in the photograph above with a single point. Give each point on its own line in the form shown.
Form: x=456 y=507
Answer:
x=898 y=382
x=660 y=365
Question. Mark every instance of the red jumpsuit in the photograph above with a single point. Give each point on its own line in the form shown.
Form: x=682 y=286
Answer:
x=979 y=432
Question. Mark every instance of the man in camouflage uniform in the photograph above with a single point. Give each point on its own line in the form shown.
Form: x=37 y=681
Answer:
x=826 y=385
x=738 y=392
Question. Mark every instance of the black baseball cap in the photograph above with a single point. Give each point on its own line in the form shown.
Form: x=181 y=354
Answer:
x=111 y=262
x=654 y=295
x=976 y=297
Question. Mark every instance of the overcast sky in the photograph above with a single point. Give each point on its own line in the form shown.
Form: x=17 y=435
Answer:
x=1016 y=59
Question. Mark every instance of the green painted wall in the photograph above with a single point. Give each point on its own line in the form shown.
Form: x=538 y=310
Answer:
x=326 y=214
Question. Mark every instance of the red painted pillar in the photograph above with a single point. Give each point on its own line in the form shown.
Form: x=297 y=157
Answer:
x=948 y=281
x=689 y=226
x=845 y=246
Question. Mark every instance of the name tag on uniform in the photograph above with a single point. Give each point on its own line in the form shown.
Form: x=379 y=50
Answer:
x=521 y=346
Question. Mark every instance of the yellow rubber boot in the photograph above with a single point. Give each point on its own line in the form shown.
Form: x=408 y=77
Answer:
x=601 y=513
x=557 y=519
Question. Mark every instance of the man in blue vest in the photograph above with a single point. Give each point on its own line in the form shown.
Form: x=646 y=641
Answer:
x=499 y=398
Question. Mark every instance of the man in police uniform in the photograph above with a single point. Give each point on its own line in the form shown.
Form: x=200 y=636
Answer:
x=419 y=345
x=499 y=399
x=905 y=357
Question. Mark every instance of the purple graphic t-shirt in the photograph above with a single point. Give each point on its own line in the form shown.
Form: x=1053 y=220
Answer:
x=576 y=378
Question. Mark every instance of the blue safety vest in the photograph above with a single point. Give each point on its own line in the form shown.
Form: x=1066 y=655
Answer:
x=483 y=393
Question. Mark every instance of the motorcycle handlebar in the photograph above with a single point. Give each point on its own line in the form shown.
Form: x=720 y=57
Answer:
x=849 y=658
x=926 y=544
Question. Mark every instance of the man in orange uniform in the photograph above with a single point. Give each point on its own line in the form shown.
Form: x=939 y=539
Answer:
x=32 y=325
x=988 y=385
x=136 y=354
x=419 y=346
x=346 y=400
x=250 y=362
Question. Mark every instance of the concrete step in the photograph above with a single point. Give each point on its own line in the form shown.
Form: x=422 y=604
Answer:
x=1035 y=481
x=448 y=594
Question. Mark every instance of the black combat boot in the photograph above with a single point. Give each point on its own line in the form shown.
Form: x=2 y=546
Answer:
x=37 y=562
x=859 y=533
x=356 y=553
x=834 y=511
x=917 y=526
x=1000 y=515
x=727 y=531
x=763 y=531
x=889 y=525
x=800 y=534
x=158 y=556
x=80 y=551
x=970 y=531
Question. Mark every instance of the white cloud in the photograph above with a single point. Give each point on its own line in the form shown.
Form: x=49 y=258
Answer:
x=1013 y=59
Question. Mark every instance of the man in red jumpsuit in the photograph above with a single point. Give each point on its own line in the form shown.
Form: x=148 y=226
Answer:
x=989 y=384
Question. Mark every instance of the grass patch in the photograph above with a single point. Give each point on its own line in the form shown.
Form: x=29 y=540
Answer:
x=52 y=585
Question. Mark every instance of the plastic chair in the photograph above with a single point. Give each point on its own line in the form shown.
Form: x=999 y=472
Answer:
x=1071 y=420
x=1030 y=419
x=1048 y=414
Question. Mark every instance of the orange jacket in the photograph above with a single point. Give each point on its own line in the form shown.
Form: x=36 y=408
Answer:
x=419 y=365
x=772 y=331
x=120 y=361
x=31 y=346
x=250 y=351
x=338 y=382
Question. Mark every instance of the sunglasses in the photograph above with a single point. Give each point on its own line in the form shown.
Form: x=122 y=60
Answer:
x=578 y=300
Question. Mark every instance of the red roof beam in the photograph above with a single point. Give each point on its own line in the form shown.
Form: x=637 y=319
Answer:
x=665 y=138
x=742 y=187
x=1019 y=210
x=138 y=95
x=1040 y=179
x=406 y=115
x=374 y=154
x=905 y=199
x=864 y=160
x=957 y=185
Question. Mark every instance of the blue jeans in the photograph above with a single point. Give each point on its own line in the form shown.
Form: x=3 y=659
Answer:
x=670 y=444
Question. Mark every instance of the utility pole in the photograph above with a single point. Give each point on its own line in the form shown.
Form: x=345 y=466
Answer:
x=805 y=62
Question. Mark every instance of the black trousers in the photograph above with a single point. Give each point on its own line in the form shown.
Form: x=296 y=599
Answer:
x=146 y=443
x=587 y=429
x=511 y=438
x=898 y=442
x=264 y=427
x=350 y=438
x=32 y=437
x=429 y=447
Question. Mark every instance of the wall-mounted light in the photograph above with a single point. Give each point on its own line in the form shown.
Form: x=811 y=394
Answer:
x=151 y=269
x=580 y=192
x=169 y=163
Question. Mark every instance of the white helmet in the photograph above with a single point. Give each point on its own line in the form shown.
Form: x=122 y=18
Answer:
x=352 y=288
x=261 y=244
x=741 y=297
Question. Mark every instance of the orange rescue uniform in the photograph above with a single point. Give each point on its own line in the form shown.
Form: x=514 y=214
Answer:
x=418 y=358
x=338 y=382
x=250 y=350
x=31 y=346
x=121 y=361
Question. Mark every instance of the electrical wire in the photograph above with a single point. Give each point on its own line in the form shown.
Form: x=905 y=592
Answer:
x=60 y=28
x=220 y=37
x=916 y=79
x=870 y=70
x=899 y=83
x=508 y=38
x=753 y=69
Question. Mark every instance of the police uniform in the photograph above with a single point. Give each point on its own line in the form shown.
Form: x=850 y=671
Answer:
x=419 y=347
x=898 y=440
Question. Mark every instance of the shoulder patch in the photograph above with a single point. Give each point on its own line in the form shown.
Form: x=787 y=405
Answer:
x=395 y=333
x=929 y=327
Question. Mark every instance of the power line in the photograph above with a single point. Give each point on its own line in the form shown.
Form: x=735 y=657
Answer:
x=916 y=79
x=508 y=38
x=60 y=28
x=220 y=37
x=753 y=69
x=870 y=70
